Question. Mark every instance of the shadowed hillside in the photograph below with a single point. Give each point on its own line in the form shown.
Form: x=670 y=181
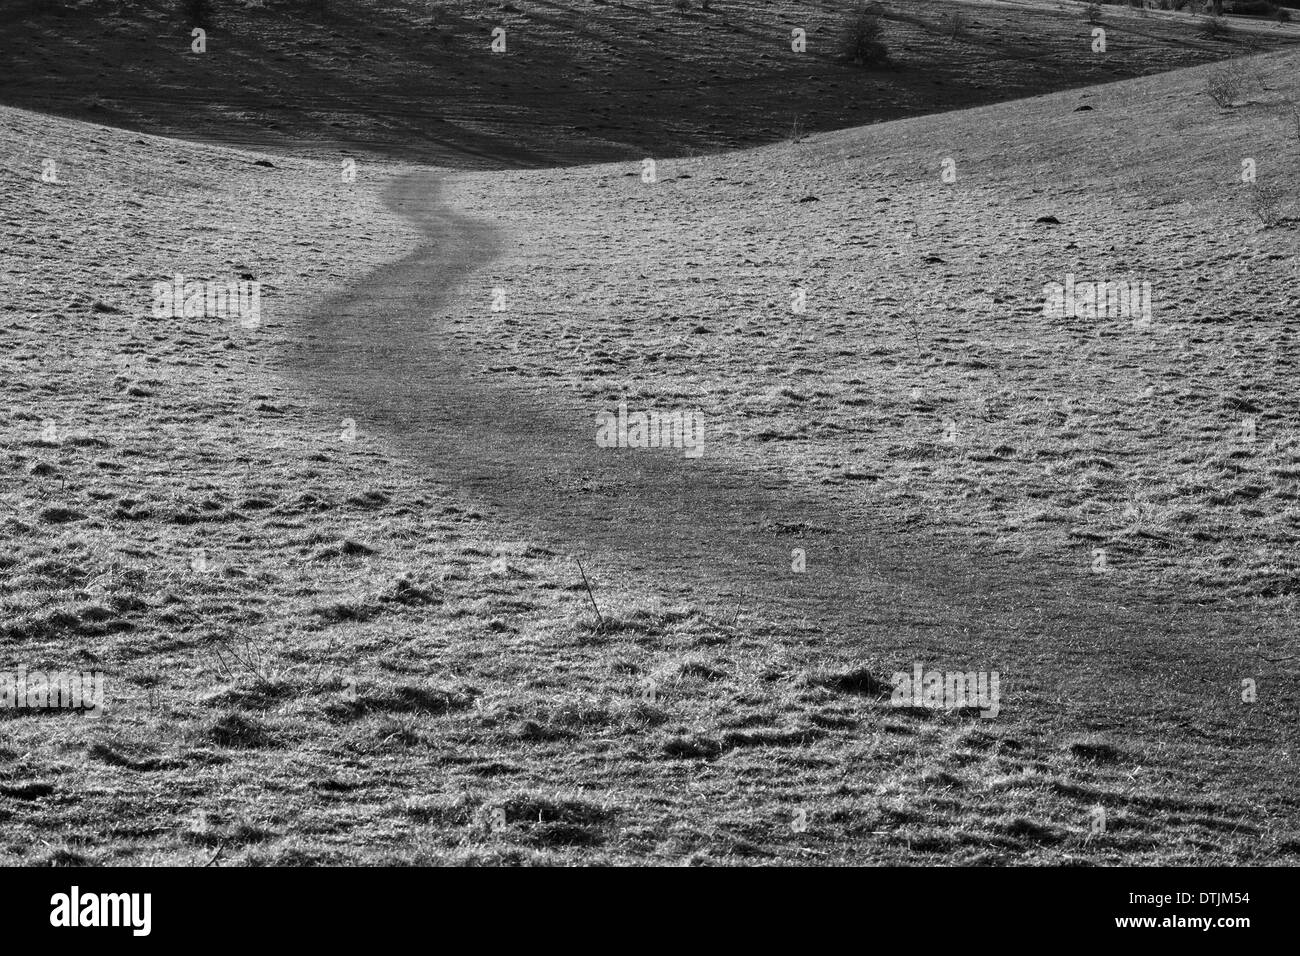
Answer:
x=579 y=79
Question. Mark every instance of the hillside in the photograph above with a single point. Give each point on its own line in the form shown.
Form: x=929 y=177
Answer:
x=579 y=81
x=328 y=559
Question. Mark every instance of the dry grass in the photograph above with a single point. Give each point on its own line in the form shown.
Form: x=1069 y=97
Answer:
x=375 y=667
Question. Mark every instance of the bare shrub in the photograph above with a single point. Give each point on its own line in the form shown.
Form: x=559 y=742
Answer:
x=1230 y=81
x=1219 y=87
x=861 y=41
x=1266 y=204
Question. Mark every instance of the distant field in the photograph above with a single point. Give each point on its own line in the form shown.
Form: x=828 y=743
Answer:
x=329 y=560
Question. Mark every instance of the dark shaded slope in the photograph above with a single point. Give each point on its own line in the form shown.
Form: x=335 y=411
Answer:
x=579 y=81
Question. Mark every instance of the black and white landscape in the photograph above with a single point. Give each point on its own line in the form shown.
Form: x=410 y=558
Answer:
x=656 y=432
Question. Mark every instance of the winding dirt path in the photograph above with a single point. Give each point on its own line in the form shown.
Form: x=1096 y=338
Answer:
x=698 y=529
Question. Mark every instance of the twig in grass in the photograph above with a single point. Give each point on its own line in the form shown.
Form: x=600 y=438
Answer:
x=248 y=659
x=1048 y=474
x=600 y=620
x=915 y=326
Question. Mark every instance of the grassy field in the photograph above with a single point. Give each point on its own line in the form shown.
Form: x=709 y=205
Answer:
x=328 y=562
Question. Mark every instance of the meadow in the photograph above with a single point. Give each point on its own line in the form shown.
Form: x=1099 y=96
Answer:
x=364 y=585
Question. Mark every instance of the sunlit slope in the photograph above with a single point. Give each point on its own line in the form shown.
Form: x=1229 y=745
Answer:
x=925 y=358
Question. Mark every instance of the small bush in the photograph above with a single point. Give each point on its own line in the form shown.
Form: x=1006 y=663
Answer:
x=1266 y=204
x=1093 y=13
x=861 y=41
x=1231 y=80
x=1215 y=28
x=1219 y=87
